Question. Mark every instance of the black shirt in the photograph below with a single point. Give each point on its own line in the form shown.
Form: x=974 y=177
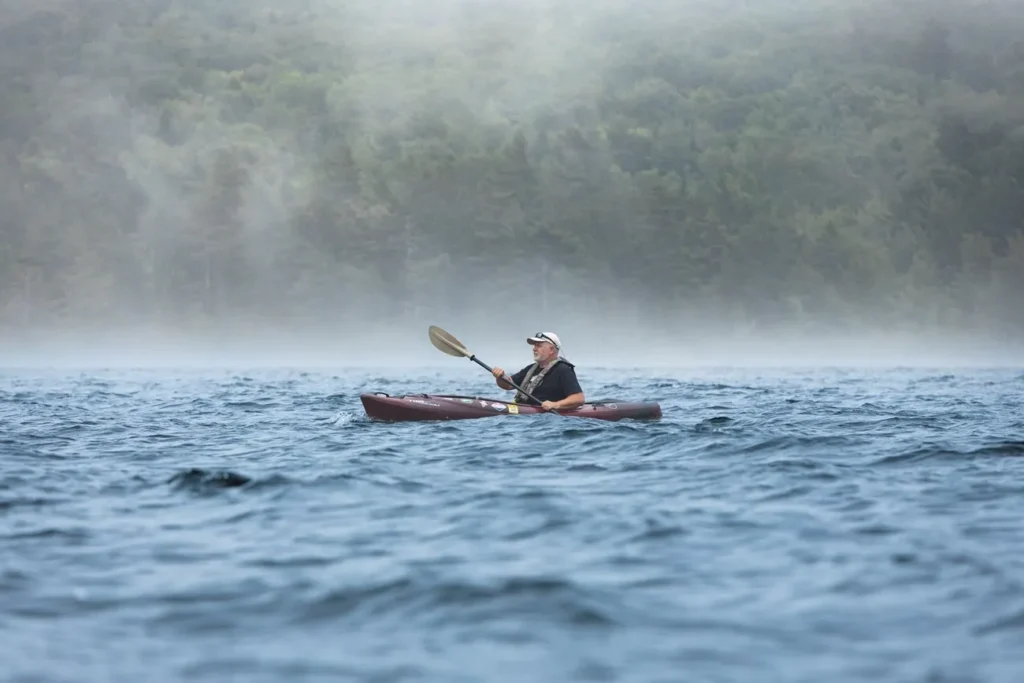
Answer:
x=559 y=383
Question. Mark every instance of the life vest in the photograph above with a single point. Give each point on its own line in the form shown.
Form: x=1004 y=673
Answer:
x=533 y=379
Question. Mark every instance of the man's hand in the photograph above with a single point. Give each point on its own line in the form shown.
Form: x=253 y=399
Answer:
x=549 y=405
x=500 y=378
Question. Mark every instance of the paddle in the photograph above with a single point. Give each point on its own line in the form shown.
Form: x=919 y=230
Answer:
x=446 y=343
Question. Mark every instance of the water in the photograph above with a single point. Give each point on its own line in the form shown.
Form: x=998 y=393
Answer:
x=818 y=525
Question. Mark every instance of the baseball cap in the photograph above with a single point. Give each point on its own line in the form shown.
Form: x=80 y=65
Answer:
x=545 y=337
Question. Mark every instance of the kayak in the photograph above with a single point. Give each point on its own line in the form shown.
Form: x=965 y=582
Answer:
x=413 y=407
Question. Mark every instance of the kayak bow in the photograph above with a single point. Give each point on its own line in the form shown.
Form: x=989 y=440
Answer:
x=415 y=407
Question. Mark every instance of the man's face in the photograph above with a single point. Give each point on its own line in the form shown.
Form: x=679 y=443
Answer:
x=543 y=352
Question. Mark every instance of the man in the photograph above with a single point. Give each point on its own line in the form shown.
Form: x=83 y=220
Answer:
x=551 y=379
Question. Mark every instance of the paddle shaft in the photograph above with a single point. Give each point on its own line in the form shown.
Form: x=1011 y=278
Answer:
x=508 y=379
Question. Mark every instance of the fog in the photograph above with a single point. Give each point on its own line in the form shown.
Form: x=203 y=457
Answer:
x=663 y=184
x=591 y=345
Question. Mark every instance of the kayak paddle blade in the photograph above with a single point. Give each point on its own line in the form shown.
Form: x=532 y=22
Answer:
x=446 y=343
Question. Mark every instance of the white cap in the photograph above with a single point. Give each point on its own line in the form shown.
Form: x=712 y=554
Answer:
x=545 y=337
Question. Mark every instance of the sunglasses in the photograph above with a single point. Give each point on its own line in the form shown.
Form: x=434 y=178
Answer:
x=541 y=335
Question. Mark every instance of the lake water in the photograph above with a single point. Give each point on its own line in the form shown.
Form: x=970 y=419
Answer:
x=778 y=525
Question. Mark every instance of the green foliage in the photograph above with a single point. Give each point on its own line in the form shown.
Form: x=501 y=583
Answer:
x=855 y=162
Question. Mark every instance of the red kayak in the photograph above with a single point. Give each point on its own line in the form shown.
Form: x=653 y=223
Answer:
x=413 y=407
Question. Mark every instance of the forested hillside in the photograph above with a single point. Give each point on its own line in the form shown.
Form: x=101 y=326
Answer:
x=184 y=162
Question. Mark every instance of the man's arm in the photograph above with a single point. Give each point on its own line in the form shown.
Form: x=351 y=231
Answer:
x=570 y=401
x=502 y=384
x=570 y=386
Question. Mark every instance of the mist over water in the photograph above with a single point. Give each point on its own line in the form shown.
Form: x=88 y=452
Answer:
x=406 y=348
